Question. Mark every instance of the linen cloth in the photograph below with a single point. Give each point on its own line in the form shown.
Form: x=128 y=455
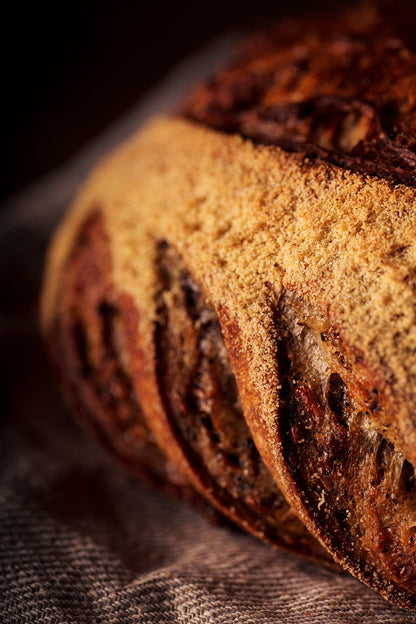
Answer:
x=80 y=541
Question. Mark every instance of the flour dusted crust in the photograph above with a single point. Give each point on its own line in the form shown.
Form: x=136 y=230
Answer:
x=247 y=217
x=137 y=343
x=230 y=303
x=252 y=223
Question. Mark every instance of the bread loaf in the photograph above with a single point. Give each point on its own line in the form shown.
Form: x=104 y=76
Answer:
x=230 y=303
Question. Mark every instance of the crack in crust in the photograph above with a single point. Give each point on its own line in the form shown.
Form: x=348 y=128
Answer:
x=89 y=355
x=94 y=342
x=356 y=490
x=353 y=489
x=308 y=87
x=201 y=400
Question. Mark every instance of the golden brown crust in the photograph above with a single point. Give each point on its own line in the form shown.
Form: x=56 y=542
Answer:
x=252 y=223
x=254 y=216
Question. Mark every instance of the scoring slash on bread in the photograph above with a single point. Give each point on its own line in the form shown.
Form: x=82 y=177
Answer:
x=230 y=304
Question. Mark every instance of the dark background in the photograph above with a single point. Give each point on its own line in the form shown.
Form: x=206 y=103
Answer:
x=69 y=69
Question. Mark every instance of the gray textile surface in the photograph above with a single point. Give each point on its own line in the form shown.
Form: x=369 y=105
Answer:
x=80 y=541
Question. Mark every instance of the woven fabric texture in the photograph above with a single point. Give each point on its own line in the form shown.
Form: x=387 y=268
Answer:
x=80 y=541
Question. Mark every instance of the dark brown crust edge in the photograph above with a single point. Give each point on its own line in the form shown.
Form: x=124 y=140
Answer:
x=339 y=88
x=84 y=347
